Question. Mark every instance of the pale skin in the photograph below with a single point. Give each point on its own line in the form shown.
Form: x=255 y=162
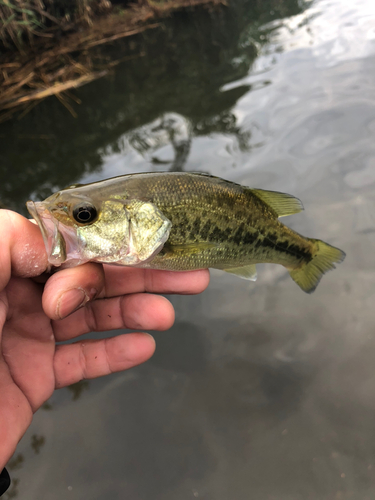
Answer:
x=35 y=315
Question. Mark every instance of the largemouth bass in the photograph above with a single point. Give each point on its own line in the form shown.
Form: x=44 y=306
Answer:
x=179 y=221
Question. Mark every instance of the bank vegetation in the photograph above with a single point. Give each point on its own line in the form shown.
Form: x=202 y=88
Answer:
x=50 y=47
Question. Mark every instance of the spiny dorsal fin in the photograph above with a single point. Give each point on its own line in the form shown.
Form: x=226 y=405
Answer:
x=282 y=204
x=248 y=272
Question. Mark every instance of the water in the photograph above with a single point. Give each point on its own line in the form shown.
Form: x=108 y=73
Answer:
x=259 y=390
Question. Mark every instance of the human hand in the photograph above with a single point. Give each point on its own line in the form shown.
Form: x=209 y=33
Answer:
x=35 y=314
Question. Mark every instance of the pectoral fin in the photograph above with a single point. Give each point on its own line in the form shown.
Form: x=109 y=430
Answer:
x=248 y=272
x=282 y=204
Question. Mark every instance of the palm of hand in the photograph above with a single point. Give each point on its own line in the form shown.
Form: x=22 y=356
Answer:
x=34 y=316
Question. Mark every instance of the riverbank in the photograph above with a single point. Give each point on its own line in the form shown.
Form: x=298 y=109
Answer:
x=65 y=54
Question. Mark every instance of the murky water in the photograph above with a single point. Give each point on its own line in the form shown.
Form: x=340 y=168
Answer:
x=259 y=391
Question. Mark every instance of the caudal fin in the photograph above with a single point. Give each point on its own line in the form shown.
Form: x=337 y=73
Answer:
x=308 y=275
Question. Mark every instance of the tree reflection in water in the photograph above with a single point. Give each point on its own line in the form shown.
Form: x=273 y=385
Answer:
x=173 y=92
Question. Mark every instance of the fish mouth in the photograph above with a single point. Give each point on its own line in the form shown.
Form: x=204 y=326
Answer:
x=49 y=227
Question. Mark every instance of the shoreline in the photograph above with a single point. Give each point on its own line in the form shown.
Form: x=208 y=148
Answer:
x=54 y=65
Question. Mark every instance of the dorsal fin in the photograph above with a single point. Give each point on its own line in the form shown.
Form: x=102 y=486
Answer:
x=281 y=203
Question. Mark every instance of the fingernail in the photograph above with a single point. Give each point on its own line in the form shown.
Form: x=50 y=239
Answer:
x=70 y=301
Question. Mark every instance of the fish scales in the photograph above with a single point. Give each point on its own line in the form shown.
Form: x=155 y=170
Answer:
x=241 y=228
x=180 y=221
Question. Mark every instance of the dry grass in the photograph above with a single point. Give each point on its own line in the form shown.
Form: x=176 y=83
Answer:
x=21 y=21
x=26 y=80
x=53 y=68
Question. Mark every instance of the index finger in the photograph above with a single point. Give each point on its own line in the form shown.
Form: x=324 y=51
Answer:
x=124 y=280
x=69 y=288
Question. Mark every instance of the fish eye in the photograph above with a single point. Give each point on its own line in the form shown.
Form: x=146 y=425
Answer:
x=85 y=213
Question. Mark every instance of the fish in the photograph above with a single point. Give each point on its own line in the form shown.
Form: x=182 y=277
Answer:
x=178 y=222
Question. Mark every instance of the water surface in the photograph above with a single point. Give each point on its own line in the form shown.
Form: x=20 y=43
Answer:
x=259 y=391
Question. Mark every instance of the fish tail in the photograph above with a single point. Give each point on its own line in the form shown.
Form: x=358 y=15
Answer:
x=309 y=274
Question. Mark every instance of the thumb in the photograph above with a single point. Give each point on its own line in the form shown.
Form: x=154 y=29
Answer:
x=22 y=249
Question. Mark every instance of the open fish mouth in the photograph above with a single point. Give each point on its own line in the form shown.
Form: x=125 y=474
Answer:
x=49 y=227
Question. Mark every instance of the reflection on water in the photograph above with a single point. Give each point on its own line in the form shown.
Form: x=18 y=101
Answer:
x=258 y=391
x=17 y=462
x=78 y=389
x=171 y=130
x=161 y=98
x=37 y=443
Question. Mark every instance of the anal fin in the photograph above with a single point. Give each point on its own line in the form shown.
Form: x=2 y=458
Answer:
x=248 y=272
